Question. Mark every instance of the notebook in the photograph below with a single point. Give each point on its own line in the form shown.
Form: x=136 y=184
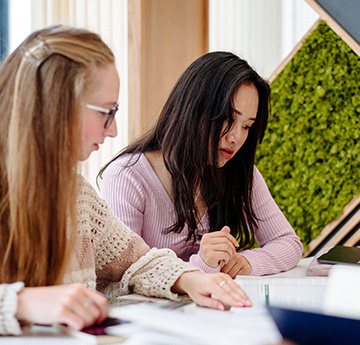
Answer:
x=341 y=254
x=309 y=328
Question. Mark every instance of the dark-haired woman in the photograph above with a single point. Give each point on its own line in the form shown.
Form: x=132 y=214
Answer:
x=190 y=183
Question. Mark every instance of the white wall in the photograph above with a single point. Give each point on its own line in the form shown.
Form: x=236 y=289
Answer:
x=263 y=32
x=19 y=22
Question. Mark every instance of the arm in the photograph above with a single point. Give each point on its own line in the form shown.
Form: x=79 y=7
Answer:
x=125 y=264
x=280 y=248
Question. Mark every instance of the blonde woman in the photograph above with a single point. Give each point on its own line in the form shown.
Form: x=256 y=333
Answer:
x=59 y=240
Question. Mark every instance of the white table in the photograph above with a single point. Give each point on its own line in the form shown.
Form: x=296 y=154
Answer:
x=42 y=335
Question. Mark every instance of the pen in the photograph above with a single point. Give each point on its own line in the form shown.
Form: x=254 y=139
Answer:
x=267 y=297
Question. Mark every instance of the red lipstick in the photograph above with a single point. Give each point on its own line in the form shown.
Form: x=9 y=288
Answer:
x=227 y=154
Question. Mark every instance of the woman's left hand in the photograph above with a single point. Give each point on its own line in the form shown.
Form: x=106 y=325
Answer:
x=201 y=286
x=238 y=265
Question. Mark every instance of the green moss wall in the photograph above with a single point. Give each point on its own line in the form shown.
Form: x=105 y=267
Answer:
x=310 y=156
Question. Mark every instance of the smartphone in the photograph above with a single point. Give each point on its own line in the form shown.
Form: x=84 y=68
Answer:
x=97 y=333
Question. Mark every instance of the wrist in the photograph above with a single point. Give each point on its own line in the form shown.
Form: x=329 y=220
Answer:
x=182 y=283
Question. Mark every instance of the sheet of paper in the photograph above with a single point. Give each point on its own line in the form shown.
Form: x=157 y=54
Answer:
x=293 y=292
x=342 y=297
x=250 y=326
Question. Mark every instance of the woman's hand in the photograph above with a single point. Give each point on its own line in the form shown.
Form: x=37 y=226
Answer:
x=201 y=286
x=217 y=247
x=73 y=304
x=237 y=265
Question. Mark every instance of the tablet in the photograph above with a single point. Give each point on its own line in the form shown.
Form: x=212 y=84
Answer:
x=341 y=254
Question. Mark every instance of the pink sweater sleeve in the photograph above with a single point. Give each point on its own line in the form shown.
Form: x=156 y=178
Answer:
x=281 y=248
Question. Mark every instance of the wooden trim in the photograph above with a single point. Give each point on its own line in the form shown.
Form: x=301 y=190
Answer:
x=335 y=26
x=324 y=237
x=290 y=56
x=135 y=83
x=355 y=239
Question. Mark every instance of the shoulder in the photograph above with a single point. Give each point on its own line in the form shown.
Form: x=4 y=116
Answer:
x=89 y=202
x=125 y=162
x=86 y=191
x=135 y=166
x=94 y=215
x=258 y=179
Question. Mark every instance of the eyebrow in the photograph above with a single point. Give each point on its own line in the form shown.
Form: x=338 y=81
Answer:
x=240 y=113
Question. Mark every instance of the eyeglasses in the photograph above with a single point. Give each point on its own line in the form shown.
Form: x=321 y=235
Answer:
x=109 y=112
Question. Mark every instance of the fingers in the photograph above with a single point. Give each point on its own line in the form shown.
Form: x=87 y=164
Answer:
x=230 y=237
x=238 y=265
x=222 y=236
x=228 y=291
x=212 y=290
x=89 y=306
x=73 y=304
x=217 y=246
x=230 y=269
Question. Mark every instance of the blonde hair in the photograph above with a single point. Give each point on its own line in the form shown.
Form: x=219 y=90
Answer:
x=42 y=85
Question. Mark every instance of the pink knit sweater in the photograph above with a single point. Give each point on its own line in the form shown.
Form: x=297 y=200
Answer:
x=138 y=198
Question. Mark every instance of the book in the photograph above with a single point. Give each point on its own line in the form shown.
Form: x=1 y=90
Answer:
x=338 y=321
x=317 y=268
x=310 y=328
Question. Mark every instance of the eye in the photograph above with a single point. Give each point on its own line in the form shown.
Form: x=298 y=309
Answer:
x=246 y=127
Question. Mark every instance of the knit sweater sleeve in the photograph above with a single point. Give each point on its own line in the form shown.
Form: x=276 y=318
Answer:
x=9 y=325
x=280 y=248
x=123 y=261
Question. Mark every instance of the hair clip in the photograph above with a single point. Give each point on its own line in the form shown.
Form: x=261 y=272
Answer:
x=30 y=53
x=43 y=45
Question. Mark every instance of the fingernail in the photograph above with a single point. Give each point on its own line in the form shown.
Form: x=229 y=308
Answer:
x=221 y=307
x=248 y=303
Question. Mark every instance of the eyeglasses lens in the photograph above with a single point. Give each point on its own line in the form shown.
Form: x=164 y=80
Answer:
x=111 y=115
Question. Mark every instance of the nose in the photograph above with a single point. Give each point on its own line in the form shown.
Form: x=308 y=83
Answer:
x=112 y=130
x=237 y=134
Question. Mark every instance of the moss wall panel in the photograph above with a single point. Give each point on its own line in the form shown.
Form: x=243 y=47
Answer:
x=310 y=156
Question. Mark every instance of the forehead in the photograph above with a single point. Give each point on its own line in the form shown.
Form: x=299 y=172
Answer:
x=246 y=101
x=104 y=85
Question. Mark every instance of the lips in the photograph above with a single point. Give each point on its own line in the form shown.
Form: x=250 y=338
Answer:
x=226 y=153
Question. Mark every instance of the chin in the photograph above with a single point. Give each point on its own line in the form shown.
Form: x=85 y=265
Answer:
x=84 y=156
x=221 y=164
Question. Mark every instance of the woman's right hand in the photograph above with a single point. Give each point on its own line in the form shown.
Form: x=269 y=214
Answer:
x=217 y=246
x=73 y=305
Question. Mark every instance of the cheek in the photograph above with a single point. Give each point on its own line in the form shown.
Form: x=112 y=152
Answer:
x=91 y=128
x=244 y=137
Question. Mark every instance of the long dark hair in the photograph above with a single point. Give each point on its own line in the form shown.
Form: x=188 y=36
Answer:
x=188 y=133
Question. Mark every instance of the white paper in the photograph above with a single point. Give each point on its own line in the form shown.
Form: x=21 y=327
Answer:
x=292 y=292
x=248 y=326
x=342 y=297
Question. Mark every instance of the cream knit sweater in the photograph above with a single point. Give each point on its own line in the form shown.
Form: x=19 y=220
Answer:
x=107 y=256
